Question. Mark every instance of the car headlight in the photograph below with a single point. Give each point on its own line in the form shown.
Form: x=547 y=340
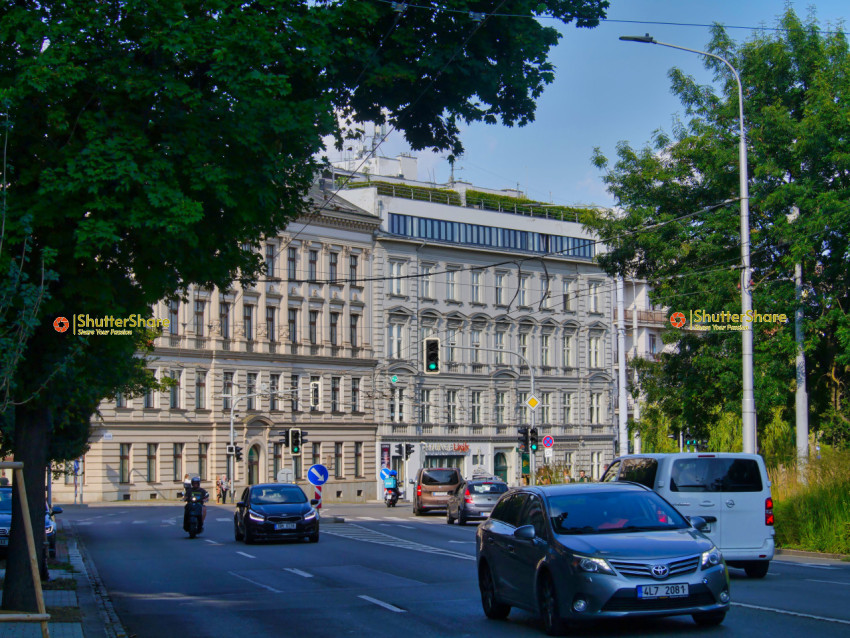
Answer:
x=309 y=516
x=254 y=516
x=592 y=565
x=711 y=558
x=49 y=528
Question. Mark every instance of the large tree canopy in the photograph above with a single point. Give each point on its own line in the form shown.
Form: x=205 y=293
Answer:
x=796 y=84
x=150 y=141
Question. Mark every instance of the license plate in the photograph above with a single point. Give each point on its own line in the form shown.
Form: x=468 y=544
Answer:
x=4 y=541
x=284 y=525
x=439 y=493
x=670 y=590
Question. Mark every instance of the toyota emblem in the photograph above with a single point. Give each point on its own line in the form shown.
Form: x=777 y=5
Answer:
x=660 y=571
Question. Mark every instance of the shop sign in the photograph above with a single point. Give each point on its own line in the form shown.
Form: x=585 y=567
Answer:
x=447 y=448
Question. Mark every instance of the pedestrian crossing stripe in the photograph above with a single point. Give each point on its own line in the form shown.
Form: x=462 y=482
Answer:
x=356 y=532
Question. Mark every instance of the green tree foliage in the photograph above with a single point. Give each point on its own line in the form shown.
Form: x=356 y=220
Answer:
x=796 y=83
x=152 y=141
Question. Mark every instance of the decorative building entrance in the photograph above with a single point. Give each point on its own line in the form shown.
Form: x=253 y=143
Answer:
x=254 y=465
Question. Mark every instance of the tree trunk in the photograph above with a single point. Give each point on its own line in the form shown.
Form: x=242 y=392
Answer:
x=32 y=427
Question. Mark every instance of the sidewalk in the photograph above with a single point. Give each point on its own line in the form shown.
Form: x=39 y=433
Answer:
x=74 y=597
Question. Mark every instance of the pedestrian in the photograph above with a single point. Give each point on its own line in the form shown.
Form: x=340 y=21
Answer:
x=225 y=487
x=218 y=489
x=3 y=479
x=187 y=484
x=582 y=478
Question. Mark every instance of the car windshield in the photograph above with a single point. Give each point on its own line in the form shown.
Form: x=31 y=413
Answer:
x=277 y=495
x=488 y=488
x=439 y=477
x=615 y=511
x=6 y=501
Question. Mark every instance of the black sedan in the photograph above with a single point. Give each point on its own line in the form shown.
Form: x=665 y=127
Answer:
x=272 y=511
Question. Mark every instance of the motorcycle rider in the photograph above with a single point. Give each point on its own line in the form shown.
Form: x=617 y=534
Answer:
x=200 y=493
x=391 y=484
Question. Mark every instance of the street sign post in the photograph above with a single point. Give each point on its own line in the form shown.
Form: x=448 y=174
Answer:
x=318 y=476
x=385 y=473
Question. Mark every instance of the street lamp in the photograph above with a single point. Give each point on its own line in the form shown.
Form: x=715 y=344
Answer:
x=748 y=407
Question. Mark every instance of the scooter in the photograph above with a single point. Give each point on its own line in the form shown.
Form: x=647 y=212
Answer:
x=390 y=497
x=193 y=516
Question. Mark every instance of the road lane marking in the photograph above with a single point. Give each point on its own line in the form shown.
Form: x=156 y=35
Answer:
x=211 y=542
x=792 y=613
x=254 y=582
x=246 y=555
x=139 y=522
x=297 y=572
x=366 y=518
x=831 y=582
x=381 y=603
x=461 y=542
x=788 y=562
x=83 y=523
x=356 y=532
x=222 y=519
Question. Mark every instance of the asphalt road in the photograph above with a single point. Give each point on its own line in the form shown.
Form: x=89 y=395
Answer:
x=383 y=571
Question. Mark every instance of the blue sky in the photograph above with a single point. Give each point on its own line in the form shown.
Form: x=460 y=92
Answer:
x=604 y=91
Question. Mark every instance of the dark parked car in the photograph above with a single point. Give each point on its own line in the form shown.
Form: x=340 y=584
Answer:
x=597 y=550
x=433 y=486
x=6 y=524
x=474 y=500
x=272 y=511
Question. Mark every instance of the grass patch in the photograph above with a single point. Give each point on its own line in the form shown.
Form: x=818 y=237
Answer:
x=59 y=584
x=65 y=614
x=813 y=511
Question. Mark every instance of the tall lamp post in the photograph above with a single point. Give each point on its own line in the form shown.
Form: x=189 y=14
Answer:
x=748 y=407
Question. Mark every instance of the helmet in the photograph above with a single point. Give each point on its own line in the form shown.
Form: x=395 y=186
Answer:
x=393 y=473
x=196 y=481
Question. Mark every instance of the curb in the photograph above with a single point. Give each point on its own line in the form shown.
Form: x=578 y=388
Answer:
x=804 y=554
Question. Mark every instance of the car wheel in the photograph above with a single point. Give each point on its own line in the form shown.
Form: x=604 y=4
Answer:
x=757 y=568
x=416 y=510
x=709 y=618
x=314 y=538
x=249 y=536
x=491 y=605
x=461 y=517
x=449 y=519
x=548 y=603
x=236 y=533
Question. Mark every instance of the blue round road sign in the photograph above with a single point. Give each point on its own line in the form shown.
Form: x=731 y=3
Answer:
x=317 y=475
x=385 y=473
x=548 y=441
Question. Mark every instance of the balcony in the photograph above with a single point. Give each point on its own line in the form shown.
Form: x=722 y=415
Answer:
x=647 y=316
x=174 y=341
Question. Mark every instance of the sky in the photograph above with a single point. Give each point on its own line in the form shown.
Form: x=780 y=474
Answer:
x=605 y=91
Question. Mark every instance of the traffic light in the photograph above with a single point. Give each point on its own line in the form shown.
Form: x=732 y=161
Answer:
x=295 y=442
x=284 y=434
x=432 y=355
x=408 y=450
x=522 y=439
x=304 y=434
x=399 y=449
x=238 y=453
x=533 y=441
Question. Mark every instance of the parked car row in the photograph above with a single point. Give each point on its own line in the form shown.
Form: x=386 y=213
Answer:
x=6 y=527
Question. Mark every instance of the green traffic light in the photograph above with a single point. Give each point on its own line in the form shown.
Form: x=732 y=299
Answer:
x=432 y=366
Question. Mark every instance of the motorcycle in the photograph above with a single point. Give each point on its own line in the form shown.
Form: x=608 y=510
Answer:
x=390 y=497
x=193 y=516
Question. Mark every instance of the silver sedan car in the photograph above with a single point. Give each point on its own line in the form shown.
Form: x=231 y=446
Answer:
x=597 y=550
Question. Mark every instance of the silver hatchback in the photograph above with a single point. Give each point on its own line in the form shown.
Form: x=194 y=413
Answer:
x=474 y=500
x=597 y=550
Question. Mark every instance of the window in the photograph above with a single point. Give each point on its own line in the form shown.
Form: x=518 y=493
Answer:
x=334 y=329
x=427 y=282
x=569 y=295
x=425 y=406
x=271 y=331
x=316 y=453
x=227 y=391
x=451 y=284
x=174 y=390
x=352 y=269
x=395 y=282
x=569 y=349
x=597 y=412
x=394 y=343
x=523 y=345
x=544 y=350
x=336 y=406
x=524 y=296
x=224 y=319
x=293 y=386
x=595 y=301
x=201 y=390
x=397 y=405
x=355 y=395
x=292 y=264
x=500 y=288
x=653 y=344
x=338 y=460
x=173 y=316
x=270 y=259
x=315 y=393
x=354 y=320
x=501 y=402
x=177 y=462
x=278 y=459
x=248 y=317
x=251 y=388
x=475 y=340
x=524 y=409
x=203 y=453
x=475 y=296
x=475 y=407
x=199 y=318
x=151 y=475
x=545 y=407
x=451 y=342
x=333 y=266
x=274 y=398
x=570 y=405
x=594 y=352
x=358 y=459
x=500 y=346
x=595 y=465
x=312 y=265
x=314 y=327
x=120 y=400
x=451 y=406
x=148 y=398
x=293 y=325
x=124 y=463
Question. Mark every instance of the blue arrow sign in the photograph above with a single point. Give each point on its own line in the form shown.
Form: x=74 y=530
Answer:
x=318 y=474
x=385 y=473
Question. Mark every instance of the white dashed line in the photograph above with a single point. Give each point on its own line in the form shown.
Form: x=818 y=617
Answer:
x=791 y=613
x=222 y=520
x=211 y=542
x=831 y=582
x=254 y=582
x=139 y=522
x=297 y=572
x=246 y=555
x=381 y=603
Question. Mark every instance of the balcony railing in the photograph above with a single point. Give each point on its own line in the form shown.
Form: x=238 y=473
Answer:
x=647 y=316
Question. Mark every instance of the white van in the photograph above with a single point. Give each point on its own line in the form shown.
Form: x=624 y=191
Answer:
x=729 y=490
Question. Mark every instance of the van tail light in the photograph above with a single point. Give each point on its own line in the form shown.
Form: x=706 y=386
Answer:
x=418 y=490
x=768 y=511
x=467 y=496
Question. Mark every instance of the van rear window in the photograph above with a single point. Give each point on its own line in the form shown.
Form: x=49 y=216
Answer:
x=440 y=477
x=715 y=475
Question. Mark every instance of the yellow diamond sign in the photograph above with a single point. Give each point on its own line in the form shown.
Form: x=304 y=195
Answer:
x=532 y=402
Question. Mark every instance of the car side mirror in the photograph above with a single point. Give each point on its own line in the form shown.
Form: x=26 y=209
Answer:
x=698 y=522
x=57 y=510
x=314 y=501
x=240 y=504
x=525 y=533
